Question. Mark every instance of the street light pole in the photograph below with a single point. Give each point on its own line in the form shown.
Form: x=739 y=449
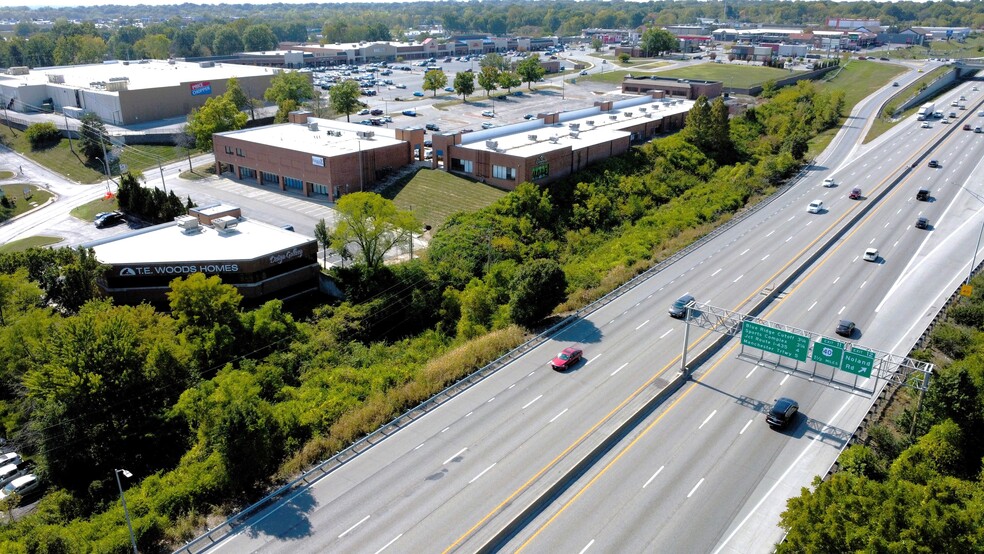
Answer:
x=127 y=474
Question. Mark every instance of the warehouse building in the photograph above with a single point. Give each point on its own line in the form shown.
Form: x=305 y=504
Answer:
x=690 y=89
x=127 y=93
x=262 y=261
x=555 y=145
x=316 y=157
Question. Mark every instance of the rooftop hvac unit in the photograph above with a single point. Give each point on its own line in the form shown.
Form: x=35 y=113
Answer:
x=187 y=222
x=206 y=64
x=531 y=138
x=574 y=126
x=491 y=144
x=170 y=61
x=642 y=109
x=313 y=126
x=574 y=134
x=590 y=122
x=56 y=78
x=18 y=70
x=365 y=134
x=613 y=117
x=628 y=114
x=554 y=139
x=114 y=86
x=225 y=222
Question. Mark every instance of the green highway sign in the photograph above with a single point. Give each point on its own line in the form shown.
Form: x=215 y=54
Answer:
x=777 y=341
x=858 y=362
x=825 y=340
x=828 y=354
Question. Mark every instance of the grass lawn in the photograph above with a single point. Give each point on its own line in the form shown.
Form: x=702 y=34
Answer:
x=60 y=158
x=15 y=192
x=30 y=242
x=937 y=49
x=739 y=76
x=433 y=195
x=88 y=211
x=4 y=174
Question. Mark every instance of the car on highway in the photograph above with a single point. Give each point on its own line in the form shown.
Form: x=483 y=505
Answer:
x=966 y=127
x=922 y=223
x=926 y=125
x=922 y=194
x=953 y=115
x=945 y=121
x=871 y=255
x=977 y=129
x=109 y=219
x=678 y=308
x=488 y=113
x=980 y=113
x=829 y=182
x=567 y=358
x=934 y=163
x=855 y=193
x=783 y=412
x=845 y=328
x=815 y=207
x=895 y=84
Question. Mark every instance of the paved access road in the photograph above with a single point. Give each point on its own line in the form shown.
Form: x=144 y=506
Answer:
x=456 y=476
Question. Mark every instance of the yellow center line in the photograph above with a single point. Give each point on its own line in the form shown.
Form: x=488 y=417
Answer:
x=726 y=355
x=522 y=488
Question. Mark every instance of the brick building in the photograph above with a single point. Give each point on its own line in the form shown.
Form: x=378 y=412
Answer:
x=691 y=89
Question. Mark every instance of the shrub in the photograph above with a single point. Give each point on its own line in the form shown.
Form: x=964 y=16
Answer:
x=42 y=135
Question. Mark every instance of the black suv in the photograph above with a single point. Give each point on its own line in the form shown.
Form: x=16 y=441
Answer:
x=934 y=163
x=922 y=223
x=782 y=412
x=109 y=219
x=432 y=127
x=922 y=194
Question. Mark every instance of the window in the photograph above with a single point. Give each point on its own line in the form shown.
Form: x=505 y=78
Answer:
x=293 y=183
x=319 y=189
x=228 y=149
x=501 y=172
x=239 y=152
x=247 y=173
x=466 y=166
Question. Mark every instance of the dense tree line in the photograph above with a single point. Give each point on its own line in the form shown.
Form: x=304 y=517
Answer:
x=920 y=493
x=236 y=399
x=260 y=27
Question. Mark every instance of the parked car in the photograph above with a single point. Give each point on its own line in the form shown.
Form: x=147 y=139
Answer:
x=400 y=85
x=488 y=125
x=845 y=328
x=109 y=219
x=448 y=89
x=584 y=72
x=567 y=358
x=417 y=93
x=488 y=113
x=23 y=486
x=529 y=116
x=783 y=412
x=411 y=113
x=363 y=111
x=375 y=111
x=432 y=127
x=10 y=458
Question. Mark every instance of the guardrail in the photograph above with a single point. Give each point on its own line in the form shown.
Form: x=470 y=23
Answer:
x=309 y=477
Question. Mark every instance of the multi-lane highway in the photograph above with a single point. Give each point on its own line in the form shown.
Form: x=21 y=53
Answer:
x=704 y=472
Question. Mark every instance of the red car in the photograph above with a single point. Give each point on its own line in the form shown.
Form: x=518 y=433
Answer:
x=567 y=358
x=855 y=193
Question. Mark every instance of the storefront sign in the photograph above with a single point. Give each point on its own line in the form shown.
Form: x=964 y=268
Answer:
x=183 y=269
x=201 y=87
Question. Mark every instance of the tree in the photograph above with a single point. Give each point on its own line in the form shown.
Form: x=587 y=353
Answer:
x=697 y=129
x=624 y=58
x=226 y=42
x=218 y=115
x=435 y=80
x=537 y=288
x=373 y=224
x=508 y=80
x=656 y=41
x=488 y=79
x=157 y=47
x=92 y=136
x=258 y=38
x=464 y=83
x=531 y=70
x=207 y=314
x=344 y=97
x=42 y=135
x=289 y=85
x=596 y=44
x=323 y=236
x=235 y=93
x=495 y=61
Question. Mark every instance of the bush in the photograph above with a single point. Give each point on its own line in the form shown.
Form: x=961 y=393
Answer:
x=951 y=340
x=42 y=135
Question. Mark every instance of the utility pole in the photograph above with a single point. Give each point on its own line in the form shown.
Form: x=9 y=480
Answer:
x=68 y=132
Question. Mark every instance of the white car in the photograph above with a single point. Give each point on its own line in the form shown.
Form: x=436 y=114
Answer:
x=488 y=113
x=21 y=485
x=10 y=458
x=871 y=255
x=926 y=125
x=829 y=182
x=815 y=207
x=945 y=121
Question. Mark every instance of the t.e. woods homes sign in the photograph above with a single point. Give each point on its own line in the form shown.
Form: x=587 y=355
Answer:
x=276 y=258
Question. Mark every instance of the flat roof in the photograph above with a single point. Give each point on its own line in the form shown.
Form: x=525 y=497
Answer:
x=322 y=142
x=581 y=129
x=143 y=74
x=168 y=243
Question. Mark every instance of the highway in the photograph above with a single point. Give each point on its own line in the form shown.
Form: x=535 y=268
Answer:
x=454 y=478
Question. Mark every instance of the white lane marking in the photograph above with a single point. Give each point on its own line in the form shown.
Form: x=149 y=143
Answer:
x=708 y=419
x=456 y=454
x=738 y=279
x=897 y=242
x=528 y=404
x=663 y=336
x=475 y=478
x=766 y=256
x=840 y=311
x=795 y=465
x=871 y=241
x=742 y=432
x=469 y=413
x=653 y=477
x=809 y=222
x=389 y=543
x=446 y=428
x=838 y=278
x=693 y=490
x=745 y=252
x=511 y=386
x=783 y=382
x=790 y=238
x=586 y=547
x=750 y=372
x=490 y=400
x=620 y=368
x=716 y=272
x=418 y=446
x=642 y=325
x=770 y=233
x=612 y=321
x=812 y=305
x=347 y=531
x=855 y=259
x=791 y=218
x=586 y=362
x=564 y=411
x=531 y=373
x=887 y=224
